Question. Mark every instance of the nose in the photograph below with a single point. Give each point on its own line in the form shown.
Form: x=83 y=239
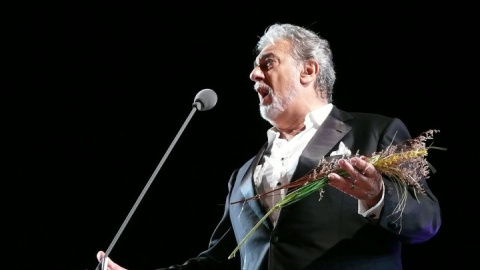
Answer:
x=256 y=74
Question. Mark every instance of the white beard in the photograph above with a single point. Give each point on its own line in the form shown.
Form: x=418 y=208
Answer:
x=279 y=104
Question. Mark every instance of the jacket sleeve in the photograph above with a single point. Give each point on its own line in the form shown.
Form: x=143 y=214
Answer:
x=420 y=218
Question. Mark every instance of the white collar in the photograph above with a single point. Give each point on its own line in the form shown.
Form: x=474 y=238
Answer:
x=313 y=119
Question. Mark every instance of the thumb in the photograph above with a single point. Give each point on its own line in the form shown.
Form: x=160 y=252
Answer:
x=100 y=256
x=108 y=264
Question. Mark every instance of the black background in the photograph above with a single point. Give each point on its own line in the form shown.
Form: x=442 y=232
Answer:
x=97 y=92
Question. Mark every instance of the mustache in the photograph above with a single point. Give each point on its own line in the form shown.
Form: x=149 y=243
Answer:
x=259 y=85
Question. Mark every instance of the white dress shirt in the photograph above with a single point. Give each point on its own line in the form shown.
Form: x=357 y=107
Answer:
x=279 y=162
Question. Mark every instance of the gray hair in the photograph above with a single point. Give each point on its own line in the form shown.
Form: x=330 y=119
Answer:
x=306 y=45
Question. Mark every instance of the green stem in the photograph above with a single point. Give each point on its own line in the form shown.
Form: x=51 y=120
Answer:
x=294 y=196
x=278 y=206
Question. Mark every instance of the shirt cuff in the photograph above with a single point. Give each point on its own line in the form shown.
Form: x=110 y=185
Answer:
x=373 y=212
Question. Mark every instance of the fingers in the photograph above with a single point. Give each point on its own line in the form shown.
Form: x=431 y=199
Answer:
x=108 y=264
x=361 y=166
x=360 y=179
x=344 y=184
x=356 y=167
x=100 y=256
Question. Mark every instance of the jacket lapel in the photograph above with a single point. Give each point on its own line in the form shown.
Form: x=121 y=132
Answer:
x=247 y=186
x=327 y=136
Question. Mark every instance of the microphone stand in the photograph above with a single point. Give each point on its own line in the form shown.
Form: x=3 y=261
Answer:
x=102 y=263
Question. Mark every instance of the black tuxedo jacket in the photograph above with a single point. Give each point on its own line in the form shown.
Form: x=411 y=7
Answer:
x=327 y=233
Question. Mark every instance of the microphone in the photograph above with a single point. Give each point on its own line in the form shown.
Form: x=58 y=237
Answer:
x=204 y=100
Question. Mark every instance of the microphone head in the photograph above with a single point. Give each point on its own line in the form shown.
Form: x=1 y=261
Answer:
x=205 y=100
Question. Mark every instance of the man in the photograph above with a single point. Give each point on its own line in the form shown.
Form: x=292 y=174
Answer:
x=354 y=223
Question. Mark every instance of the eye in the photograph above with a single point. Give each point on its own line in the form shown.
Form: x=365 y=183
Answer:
x=267 y=63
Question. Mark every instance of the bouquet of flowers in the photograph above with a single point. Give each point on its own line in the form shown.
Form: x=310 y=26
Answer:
x=404 y=163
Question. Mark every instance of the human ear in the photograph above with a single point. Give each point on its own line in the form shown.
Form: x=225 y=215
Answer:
x=309 y=71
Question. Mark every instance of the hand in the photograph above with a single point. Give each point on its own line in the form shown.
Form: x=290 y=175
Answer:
x=110 y=264
x=364 y=182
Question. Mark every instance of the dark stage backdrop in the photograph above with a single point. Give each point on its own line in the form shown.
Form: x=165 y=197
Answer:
x=98 y=92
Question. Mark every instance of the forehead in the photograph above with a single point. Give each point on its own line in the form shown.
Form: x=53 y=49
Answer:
x=279 y=48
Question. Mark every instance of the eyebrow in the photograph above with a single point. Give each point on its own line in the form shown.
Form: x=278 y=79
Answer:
x=263 y=56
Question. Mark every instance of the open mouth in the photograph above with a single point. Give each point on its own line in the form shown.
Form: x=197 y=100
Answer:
x=263 y=93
